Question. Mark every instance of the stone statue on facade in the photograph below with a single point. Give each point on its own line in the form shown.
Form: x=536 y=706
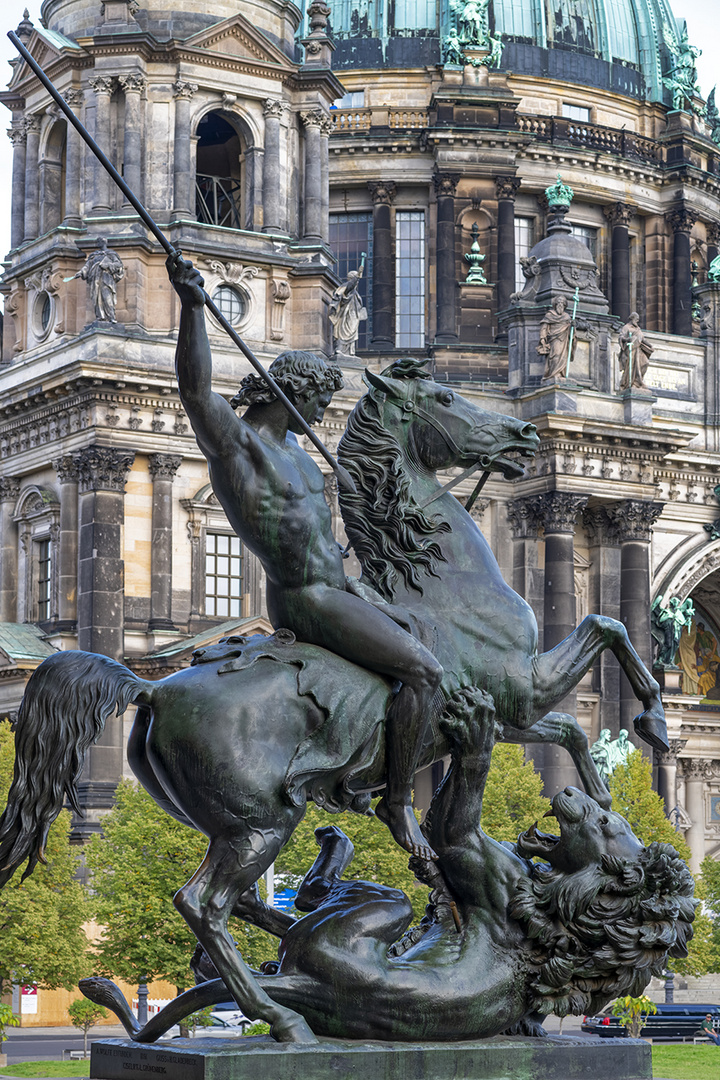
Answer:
x=712 y=115
x=714 y=270
x=472 y=20
x=634 y=355
x=347 y=311
x=102 y=270
x=472 y=33
x=682 y=79
x=555 y=339
x=668 y=618
x=608 y=753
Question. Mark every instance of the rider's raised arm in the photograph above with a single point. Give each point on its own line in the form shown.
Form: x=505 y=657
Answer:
x=212 y=418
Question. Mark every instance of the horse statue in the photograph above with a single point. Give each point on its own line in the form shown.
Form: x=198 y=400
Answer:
x=235 y=745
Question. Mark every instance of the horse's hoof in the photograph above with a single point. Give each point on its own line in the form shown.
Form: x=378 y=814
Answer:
x=292 y=1029
x=652 y=730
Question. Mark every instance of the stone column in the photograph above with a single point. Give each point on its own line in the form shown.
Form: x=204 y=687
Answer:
x=694 y=773
x=162 y=469
x=102 y=473
x=103 y=86
x=326 y=131
x=9 y=491
x=681 y=222
x=73 y=162
x=183 y=172
x=382 y=195
x=619 y=215
x=506 y=188
x=313 y=175
x=67 y=566
x=32 y=202
x=17 y=134
x=557 y=511
x=605 y=584
x=634 y=521
x=528 y=577
x=445 y=187
x=271 y=165
x=713 y=241
x=133 y=85
x=667 y=764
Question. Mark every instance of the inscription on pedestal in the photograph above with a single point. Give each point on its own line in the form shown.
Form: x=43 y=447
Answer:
x=116 y=1062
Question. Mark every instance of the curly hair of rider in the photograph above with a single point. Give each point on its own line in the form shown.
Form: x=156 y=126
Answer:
x=293 y=371
x=604 y=930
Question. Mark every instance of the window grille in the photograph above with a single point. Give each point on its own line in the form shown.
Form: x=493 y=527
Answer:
x=223 y=575
x=350 y=235
x=524 y=243
x=409 y=279
x=218 y=201
x=44 y=579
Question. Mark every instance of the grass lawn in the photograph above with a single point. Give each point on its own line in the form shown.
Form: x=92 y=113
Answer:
x=47 y=1068
x=686 y=1062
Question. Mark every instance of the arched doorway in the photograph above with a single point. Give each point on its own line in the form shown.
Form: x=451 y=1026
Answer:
x=219 y=197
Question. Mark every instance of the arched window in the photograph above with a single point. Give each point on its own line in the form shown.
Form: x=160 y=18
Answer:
x=219 y=189
x=51 y=169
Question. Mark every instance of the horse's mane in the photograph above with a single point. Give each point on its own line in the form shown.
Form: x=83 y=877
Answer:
x=391 y=534
x=605 y=930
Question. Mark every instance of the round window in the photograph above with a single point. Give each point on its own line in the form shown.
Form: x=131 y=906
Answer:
x=43 y=310
x=46 y=312
x=231 y=303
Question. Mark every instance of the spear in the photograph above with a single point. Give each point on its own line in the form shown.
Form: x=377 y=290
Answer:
x=345 y=481
x=572 y=331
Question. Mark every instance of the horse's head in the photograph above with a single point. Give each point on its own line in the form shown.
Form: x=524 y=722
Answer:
x=444 y=429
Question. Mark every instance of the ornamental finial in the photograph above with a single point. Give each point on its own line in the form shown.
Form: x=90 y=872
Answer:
x=559 y=194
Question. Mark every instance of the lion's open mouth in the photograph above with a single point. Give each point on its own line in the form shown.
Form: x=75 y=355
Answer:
x=533 y=842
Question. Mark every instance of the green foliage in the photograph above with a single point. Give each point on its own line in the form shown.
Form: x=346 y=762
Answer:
x=513 y=797
x=258 y=1028
x=685 y=1062
x=704 y=952
x=41 y=920
x=633 y=1012
x=202 y=1018
x=634 y=798
x=7 y=1019
x=137 y=866
x=85 y=1014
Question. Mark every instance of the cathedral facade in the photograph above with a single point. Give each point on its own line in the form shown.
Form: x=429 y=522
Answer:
x=276 y=147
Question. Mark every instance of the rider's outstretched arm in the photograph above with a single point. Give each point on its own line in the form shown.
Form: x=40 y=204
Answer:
x=209 y=413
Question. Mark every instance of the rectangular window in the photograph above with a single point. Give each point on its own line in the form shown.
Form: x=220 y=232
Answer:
x=223 y=575
x=589 y=237
x=576 y=112
x=409 y=279
x=350 y=235
x=44 y=575
x=354 y=100
x=524 y=243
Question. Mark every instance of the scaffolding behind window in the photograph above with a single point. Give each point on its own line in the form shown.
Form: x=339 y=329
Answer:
x=350 y=235
x=410 y=279
x=44 y=577
x=524 y=243
x=223 y=575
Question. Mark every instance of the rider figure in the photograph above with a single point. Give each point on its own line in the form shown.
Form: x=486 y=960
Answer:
x=273 y=495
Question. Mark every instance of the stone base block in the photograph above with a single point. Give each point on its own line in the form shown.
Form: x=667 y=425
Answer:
x=637 y=407
x=555 y=1058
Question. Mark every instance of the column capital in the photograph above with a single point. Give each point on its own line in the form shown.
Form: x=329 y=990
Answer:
x=66 y=468
x=445 y=184
x=102 y=84
x=9 y=488
x=17 y=132
x=102 y=468
x=312 y=117
x=713 y=233
x=74 y=97
x=133 y=83
x=32 y=122
x=600 y=526
x=680 y=219
x=382 y=191
x=164 y=466
x=523 y=517
x=506 y=187
x=695 y=769
x=619 y=213
x=274 y=107
x=557 y=511
x=670 y=757
x=184 y=89
x=634 y=519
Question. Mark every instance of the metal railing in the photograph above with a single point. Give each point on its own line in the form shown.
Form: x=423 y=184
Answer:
x=218 y=201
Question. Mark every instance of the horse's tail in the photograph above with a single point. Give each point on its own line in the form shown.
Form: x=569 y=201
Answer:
x=67 y=700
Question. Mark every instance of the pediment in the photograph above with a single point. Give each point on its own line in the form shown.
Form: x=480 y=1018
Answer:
x=239 y=39
x=47 y=48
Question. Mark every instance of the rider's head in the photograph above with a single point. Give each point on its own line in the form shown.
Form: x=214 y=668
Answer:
x=307 y=379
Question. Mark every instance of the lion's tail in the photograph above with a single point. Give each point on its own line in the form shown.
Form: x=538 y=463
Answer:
x=67 y=700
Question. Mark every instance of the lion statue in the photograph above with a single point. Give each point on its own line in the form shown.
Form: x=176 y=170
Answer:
x=505 y=941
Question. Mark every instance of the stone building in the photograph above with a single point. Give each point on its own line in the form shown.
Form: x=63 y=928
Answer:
x=275 y=147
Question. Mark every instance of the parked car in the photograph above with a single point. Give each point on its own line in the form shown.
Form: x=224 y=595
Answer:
x=678 y=1021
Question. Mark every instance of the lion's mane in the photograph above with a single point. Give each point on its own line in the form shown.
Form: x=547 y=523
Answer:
x=605 y=930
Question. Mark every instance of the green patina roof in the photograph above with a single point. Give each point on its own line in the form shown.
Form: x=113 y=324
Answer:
x=24 y=643
x=56 y=39
x=206 y=637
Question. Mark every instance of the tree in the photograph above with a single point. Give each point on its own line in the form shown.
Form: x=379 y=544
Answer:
x=41 y=920
x=7 y=1019
x=513 y=797
x=85 y=1014
x=633 y=797
x=143 y=857
x=633 y=1013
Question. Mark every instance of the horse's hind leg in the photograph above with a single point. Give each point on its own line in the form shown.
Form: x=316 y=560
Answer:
x=558 y=671
x=562 y=729
x=229 y=868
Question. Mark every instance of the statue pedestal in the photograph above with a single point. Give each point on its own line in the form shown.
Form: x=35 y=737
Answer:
x=637 y=407
x=555 y=1058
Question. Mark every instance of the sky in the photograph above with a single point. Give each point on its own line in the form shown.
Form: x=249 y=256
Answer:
x=703 y=19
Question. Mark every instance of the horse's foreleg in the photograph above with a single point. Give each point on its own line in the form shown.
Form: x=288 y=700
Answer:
x=230 y=867
x=557 y=673
x=562 y=729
